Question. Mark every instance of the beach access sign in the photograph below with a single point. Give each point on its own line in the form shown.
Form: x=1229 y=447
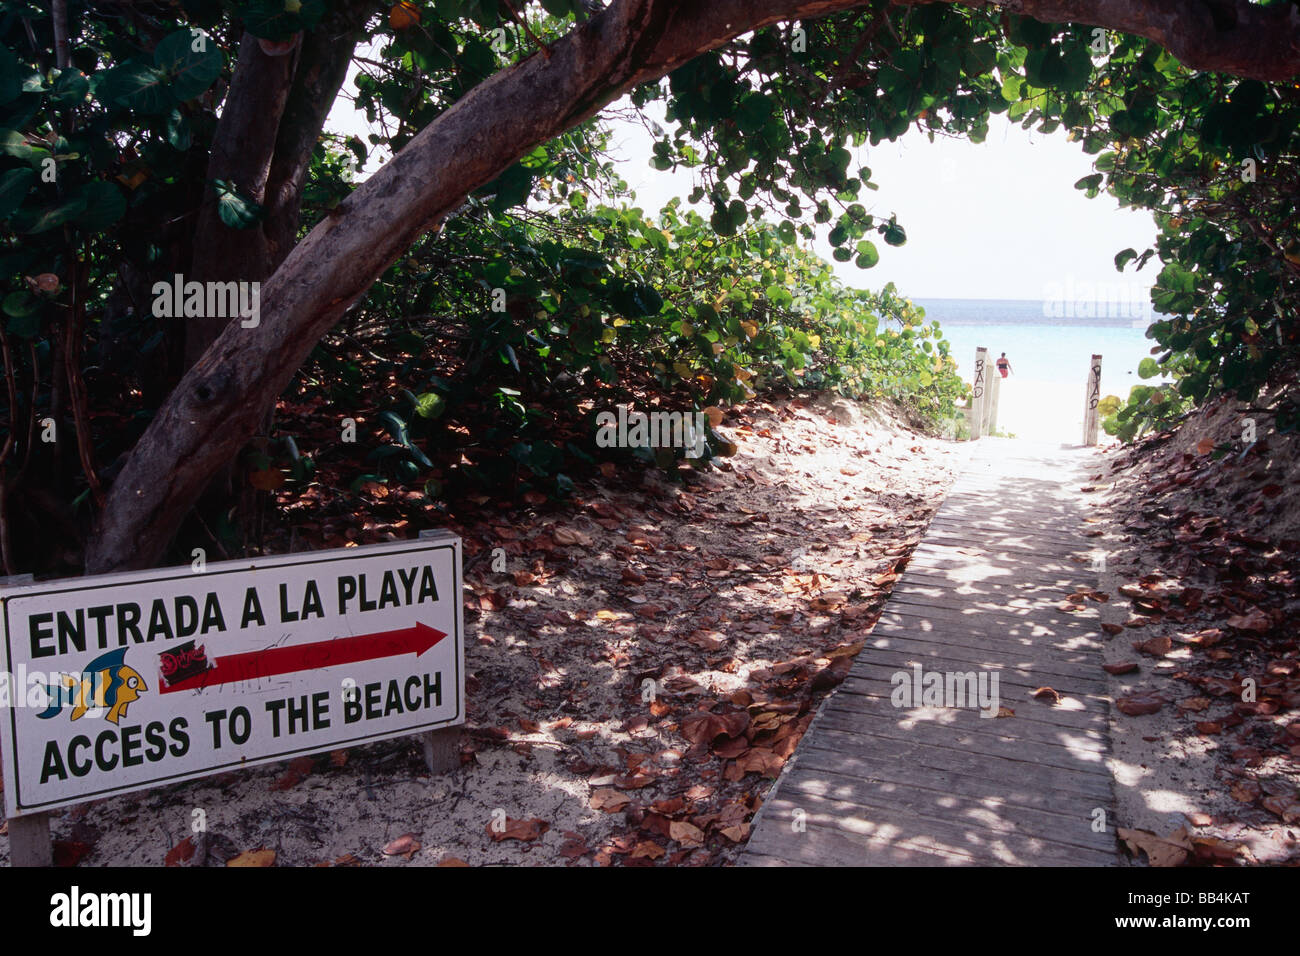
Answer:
x=125 y=681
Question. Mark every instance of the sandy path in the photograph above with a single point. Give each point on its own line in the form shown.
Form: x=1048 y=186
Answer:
x=599 y=661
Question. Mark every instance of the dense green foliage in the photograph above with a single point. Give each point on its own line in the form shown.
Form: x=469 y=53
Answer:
x=587 y=304
x=104 y=168
x=1216 y=160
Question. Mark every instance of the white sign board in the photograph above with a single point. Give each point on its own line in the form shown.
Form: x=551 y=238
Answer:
x=124 y=681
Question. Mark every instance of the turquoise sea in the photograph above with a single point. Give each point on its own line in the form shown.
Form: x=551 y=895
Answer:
x=1040 y=347
x=1049 y=353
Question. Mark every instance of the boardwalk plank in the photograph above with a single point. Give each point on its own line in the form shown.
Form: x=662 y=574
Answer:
x=1067 y=677
x=992 y=622
x=1026 y=649
x=885 y=786
x=913 y=840
x=871 y=797
x=1077 y=714
x=816 y=762
x=989 y=760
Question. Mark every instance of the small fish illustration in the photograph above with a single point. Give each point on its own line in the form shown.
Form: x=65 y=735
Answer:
x=107 y=682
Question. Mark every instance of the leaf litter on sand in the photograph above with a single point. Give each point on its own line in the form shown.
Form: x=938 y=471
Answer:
x=670 y=639
x=1205 y=556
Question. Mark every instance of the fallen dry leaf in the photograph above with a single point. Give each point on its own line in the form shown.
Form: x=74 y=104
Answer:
x=1244 y=791
x=670 y=807
x=736 y=833
x=633 y=781
x=687 y=834
x=845 y=650
x=1286 y=807
x=1155 y=647
x=760 y=760
x=70 y=852
x=1139 y=705
x=829 y=600
x=1172 y=850
x=405 y=845
x=702 y=727
x=1206 y=638
x=574 y=847
x=708 y=640
x=648 y=849
x=180 y=853
x=1253 y=620
x=258 y=857
x=570 y=536
x=1213 y=850
x=299 y=767
x=523 y=830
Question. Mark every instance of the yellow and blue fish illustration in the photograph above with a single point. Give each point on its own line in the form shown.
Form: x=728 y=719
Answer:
x=107 y=682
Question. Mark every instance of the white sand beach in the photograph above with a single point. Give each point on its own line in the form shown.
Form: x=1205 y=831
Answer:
x=1042 y=410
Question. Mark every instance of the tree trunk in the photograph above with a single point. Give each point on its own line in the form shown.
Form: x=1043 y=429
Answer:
x=242 y=151
x=322 y=68
x=270 y=122
x=218 y=404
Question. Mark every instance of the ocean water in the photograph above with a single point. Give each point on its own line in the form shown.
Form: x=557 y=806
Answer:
x=1049 y=356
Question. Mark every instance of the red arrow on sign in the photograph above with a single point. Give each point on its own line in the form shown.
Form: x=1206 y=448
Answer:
x=301 y=657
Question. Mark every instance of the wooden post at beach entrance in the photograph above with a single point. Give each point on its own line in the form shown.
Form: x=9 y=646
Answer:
x=1091 y=396
x=441 y=747
x=991 y=404
x=978 y=389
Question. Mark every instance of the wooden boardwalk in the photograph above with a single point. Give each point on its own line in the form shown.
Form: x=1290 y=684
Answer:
x=878 y=785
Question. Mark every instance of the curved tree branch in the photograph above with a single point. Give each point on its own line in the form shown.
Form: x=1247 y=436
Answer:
x=219 y=402
x=1224 y=36
x=322 y=68
x=217 y=405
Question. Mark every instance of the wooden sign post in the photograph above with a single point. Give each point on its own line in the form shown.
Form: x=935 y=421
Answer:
x=441 y=747
x=978 y=392
x=1091 y=397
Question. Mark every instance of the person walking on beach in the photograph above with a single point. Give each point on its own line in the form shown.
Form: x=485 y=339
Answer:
x=1003 y=365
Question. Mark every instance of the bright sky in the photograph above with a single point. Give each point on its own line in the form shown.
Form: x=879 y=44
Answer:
x=998 y=220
